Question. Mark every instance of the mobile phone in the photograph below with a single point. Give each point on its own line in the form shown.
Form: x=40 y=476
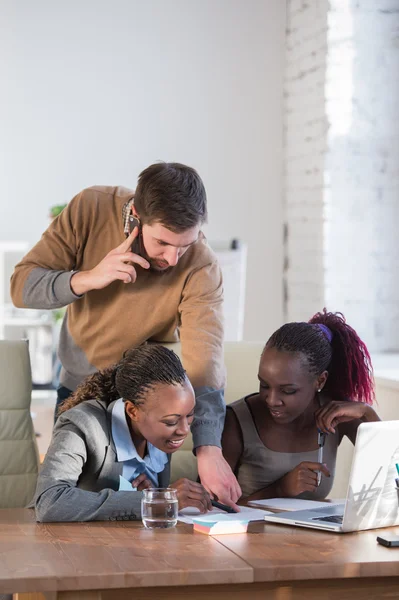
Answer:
x=389 y=539
x=137 y=246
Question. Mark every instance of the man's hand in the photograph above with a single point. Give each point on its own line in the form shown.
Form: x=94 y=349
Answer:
x=217 y=477
x=191 y=493
x=117 y=264
x=301 y=479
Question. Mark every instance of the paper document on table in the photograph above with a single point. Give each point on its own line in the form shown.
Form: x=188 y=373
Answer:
x=186 y=515
x=293 y=503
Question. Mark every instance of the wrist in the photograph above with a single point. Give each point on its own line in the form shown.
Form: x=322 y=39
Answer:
x=278 y=490
x=271 y=491
x=80 y=283
x=208 y=451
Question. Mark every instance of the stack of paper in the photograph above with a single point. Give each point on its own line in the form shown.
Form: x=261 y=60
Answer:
x=283 y=504
x=219 y=524
x=217 y=521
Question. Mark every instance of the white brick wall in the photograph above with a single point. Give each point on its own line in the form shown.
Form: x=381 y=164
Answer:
x=305 y=148
x=342 y=164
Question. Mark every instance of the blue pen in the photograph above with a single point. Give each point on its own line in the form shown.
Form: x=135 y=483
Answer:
x=397 y=468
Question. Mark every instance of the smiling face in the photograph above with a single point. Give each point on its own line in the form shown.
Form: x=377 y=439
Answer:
x=286 y=385
x=165 y=417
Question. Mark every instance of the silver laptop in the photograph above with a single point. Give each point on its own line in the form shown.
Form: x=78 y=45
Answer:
x=372 y=499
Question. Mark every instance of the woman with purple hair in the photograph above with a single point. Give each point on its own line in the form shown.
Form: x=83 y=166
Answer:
x=315 y=381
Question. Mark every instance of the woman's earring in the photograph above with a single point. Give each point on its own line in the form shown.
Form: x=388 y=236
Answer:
x=319 y=390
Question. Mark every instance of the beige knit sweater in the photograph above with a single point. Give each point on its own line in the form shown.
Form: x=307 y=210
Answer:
x=184 y=303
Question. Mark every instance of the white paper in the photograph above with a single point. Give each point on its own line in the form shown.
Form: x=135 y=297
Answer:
x=293 y=503
x=246 y=514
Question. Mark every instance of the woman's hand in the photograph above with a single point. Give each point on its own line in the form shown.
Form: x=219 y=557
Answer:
x=301 y=479
x=142 y=483
x=331 y=414
x=190 y=493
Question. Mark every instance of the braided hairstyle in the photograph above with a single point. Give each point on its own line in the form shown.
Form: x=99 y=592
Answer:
x=137 y=372
x=345 y=356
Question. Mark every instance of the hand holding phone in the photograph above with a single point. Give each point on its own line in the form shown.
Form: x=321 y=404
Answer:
x=137 y=246
x=390 y=540
x=118 y=264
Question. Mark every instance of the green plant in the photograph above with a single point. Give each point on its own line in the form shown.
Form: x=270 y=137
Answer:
x=56 y=210
x=58 y=314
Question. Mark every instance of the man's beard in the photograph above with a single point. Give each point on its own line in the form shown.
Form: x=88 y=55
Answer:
x=153 y=261
x=157 y=268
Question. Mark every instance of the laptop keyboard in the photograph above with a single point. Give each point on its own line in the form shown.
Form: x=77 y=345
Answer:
x=330 y=519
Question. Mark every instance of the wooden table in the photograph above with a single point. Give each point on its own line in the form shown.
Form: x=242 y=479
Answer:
x=122 y=560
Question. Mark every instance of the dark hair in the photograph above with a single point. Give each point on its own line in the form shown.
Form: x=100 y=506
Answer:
x=345 y=357
x=172 y=194
x=139 y=370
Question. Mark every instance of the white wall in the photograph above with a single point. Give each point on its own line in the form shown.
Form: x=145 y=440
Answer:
x=94 y=91
x=341 y=154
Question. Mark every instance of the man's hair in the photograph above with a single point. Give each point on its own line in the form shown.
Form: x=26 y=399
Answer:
x=171 y=194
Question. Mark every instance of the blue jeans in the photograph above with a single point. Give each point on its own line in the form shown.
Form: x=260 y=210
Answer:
x=62 y=394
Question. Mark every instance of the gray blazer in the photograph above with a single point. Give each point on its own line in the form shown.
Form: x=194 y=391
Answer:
x=79 y=479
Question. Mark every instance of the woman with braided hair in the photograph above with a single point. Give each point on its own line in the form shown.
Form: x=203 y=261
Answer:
x=124 y=421
x=314 y=378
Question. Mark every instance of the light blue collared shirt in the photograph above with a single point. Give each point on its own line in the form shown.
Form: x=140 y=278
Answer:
x=133 y=465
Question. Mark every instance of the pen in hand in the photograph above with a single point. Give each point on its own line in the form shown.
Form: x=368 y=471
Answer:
x=223 y=506
x=321 y=438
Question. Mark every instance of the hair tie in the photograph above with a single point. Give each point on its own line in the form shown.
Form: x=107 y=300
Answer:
x=326 y=330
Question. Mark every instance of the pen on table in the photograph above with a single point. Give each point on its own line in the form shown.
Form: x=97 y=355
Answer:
x=321 y=438
x=222 y=506
x=397 y=468
x=397 y=482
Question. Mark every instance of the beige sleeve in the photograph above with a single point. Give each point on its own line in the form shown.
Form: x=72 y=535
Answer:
x=42 y=278
x=201 y=336
x=201 y=327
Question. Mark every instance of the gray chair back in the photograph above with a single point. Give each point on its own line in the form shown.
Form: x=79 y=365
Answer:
x=19 y=457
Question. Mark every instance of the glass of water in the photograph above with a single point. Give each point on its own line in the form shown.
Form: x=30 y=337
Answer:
x=159 y=508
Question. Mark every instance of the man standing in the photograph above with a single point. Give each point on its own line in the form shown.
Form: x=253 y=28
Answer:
x=135 y=268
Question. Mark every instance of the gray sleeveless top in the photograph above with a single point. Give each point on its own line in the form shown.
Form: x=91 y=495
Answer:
x=260 y=467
